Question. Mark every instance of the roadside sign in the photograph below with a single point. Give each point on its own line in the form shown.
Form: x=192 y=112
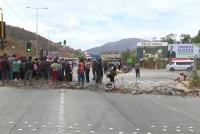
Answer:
x=129 y=60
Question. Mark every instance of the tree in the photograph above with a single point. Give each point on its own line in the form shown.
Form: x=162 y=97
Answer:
x=185 y=38
x=170 y=38
x=196 y=39
x=128 y=54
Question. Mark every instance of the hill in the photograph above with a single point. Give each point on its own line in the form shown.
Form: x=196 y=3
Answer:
x=17 y=39
x=124 y=44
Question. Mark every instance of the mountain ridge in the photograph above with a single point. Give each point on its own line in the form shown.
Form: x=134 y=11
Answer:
x=121 y=45
x=17 y=38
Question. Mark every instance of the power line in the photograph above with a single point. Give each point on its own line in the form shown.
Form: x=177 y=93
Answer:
x=13 y=10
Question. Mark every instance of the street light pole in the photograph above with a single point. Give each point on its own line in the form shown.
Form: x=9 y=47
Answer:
x=36 y=41
x=2 y=30
x=36 y=36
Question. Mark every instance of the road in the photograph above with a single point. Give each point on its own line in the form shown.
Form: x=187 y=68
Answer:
x=58 y=111
x=148 y=77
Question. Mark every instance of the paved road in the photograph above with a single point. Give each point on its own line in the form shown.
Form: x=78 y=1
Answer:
x=148 y=77
x=42 y=111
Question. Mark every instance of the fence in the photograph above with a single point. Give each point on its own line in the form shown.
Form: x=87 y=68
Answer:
x=152 y=64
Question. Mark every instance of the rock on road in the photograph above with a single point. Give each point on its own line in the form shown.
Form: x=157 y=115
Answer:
x=49 y=111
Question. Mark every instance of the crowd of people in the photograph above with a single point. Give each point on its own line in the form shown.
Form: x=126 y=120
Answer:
x=13 y=68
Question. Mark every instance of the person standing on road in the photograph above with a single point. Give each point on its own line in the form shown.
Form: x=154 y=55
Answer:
x=87 y=71
x=81 y=71
x=137 y=70
x=1 y=59
x=5 y=69
x=68 y=71
x=22 y=67
x=29 y=67
x=112 y=73
x=94 y=69
x=16 y=69
x=99 y=71
x=56 y=67
x=35 y=69
x=44 y=69
x=11 y=59
x=105 y=67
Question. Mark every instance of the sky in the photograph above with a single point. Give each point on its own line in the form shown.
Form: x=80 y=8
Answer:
x=89 y=23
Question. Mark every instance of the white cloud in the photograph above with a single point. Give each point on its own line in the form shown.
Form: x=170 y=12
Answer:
x=89 y=23
x=72 y=23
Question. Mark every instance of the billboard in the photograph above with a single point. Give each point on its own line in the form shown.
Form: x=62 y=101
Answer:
x=184 y=50
x=152 y=50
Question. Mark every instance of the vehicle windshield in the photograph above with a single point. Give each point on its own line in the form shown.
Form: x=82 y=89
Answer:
x=99 y=66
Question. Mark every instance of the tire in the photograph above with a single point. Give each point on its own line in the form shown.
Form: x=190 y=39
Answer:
x=189 y=69
x=171 y=69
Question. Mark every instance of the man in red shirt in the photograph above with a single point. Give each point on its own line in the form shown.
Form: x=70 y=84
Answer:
x=81 y=71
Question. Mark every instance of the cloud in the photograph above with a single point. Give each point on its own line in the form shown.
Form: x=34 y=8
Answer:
x=72 y=23
x=90 y=23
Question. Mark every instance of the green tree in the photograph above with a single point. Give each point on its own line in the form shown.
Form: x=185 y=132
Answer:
x=196 y=39
x=170 y=38
x=128 y=54
x=185 y=38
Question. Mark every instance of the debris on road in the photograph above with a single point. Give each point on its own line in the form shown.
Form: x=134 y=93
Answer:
x=170 y=88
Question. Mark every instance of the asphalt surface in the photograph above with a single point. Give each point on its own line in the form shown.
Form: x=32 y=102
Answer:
x=50 y=111
x=148 y=77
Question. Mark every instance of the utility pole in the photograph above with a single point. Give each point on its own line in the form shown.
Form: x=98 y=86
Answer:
x=36 y=36
x=2 y=34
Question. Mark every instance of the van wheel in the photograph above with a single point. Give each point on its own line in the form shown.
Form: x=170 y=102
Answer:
x=189 y=69
x=171 y=69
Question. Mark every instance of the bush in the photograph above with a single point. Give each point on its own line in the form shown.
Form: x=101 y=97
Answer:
x=195 y=81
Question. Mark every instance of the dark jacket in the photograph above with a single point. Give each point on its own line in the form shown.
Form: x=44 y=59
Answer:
x=99 y=68
x=29 y=66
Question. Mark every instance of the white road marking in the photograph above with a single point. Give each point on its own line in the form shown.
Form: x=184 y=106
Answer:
x=34 y=130
x=164 y=130
x=61 y=111
x=71 y=127
x=76 y=124
x=77 y=131
x=191 y=130
x=178 y=127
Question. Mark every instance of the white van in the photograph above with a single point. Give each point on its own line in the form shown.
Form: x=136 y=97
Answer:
x=180 y=65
